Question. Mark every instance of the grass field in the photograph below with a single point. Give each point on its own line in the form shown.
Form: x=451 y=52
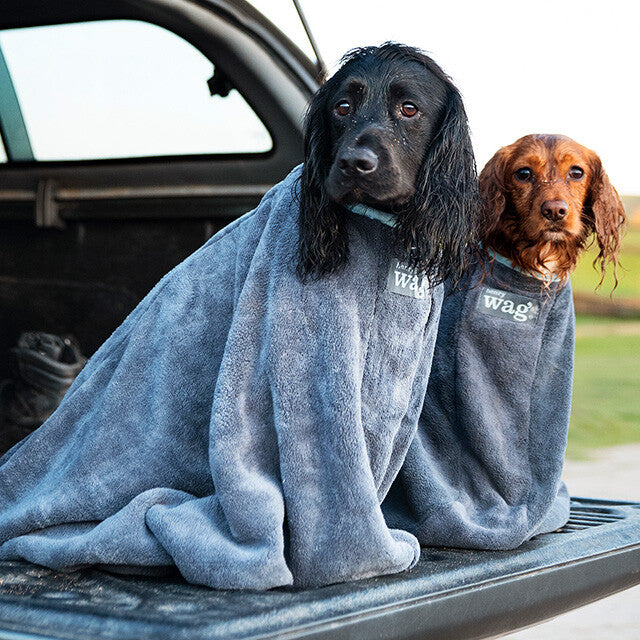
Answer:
x=606 y=396
x=606 y=390
x=586 y=278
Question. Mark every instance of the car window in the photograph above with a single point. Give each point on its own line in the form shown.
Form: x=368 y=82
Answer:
x=118 y=89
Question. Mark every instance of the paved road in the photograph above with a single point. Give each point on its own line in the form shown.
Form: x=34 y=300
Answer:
x=612 y=473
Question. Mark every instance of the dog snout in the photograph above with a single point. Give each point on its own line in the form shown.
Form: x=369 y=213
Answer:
x=554 y=210
x=358 y=161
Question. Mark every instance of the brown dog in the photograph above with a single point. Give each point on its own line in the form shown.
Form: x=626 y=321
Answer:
x=543 y=197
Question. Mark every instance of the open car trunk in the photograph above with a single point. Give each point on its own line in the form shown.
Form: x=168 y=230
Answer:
x=81 y=242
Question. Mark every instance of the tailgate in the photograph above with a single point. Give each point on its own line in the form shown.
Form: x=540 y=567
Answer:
x=451 y=593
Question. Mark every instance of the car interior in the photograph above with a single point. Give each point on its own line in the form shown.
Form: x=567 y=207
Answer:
x=87 y=227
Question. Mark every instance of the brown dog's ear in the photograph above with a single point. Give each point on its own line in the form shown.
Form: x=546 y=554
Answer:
x=493 y=194
x=605 y=216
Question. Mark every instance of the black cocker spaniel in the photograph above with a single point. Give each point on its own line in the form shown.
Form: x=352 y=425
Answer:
x=389 y=130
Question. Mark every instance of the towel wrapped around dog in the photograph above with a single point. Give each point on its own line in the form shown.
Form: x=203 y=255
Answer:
x=484 y=470
x=240 y=424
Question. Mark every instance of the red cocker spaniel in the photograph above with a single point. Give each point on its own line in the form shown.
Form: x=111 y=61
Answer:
x=543 y=197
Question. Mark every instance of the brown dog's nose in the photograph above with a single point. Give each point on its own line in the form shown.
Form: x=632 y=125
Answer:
x=554 y=209
x=358 y=161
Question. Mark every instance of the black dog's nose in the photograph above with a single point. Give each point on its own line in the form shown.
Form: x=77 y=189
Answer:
x=554 y=209
x=358 y=161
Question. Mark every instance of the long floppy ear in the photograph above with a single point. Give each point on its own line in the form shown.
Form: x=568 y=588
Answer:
x=438 y=231
x=605 y=216
x=493 y=194
x=323 y=238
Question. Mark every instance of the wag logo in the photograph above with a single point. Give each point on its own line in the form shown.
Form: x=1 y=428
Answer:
x=404 y=281
x=508 y=305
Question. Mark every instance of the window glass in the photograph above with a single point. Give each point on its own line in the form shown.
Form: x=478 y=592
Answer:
x=3 y=153
x=118 y=88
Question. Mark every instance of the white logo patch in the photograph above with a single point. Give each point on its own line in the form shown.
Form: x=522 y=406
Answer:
x=404 y=281
x=508 y=305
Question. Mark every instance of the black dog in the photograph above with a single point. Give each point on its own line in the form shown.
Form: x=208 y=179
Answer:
x=272 y=412
x=389 y=130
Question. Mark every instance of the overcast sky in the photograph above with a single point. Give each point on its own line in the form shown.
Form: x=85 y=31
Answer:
x=523 y=67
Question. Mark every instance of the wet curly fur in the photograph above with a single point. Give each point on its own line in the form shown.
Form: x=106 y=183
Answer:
x=516 y=186
x=425 y=171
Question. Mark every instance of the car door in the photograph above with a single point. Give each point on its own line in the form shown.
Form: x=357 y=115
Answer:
x=131 y=131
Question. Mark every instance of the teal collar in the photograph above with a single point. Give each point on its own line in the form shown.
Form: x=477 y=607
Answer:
x=507 y=263
x=390 y=219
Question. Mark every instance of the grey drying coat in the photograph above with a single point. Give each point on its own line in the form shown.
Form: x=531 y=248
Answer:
x=239 y=424
x=484 y=470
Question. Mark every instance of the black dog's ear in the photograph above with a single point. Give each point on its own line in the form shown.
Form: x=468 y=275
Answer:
x=438 y=232
x=604 y=215
x=323 y=237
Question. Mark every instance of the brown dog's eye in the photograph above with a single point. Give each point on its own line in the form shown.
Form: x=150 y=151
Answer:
x=409 y=109
x=575 y=173
x=343 y=108
x=523 y=174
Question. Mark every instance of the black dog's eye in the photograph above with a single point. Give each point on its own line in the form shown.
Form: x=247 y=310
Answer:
x=523 y=174
x=409 y=109
x=575 y=173
x=343 y=108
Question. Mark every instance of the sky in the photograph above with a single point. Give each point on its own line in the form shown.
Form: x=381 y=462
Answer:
x=523 y=67
x=537 y=67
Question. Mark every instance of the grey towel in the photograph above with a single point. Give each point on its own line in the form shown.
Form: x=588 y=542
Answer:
x=484 y=470
x=239 y=424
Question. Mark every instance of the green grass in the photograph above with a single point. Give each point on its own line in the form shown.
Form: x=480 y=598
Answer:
x=585 y=278
x=606 y=390
x=589 y=322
